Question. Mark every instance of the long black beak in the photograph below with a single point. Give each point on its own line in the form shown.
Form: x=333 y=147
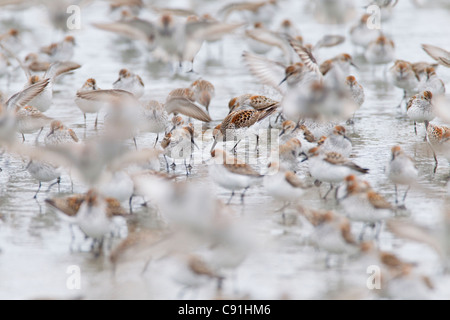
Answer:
x=283 y=81
x=305 y=155
x=116 y=81
x=51 y=132
x=173 y=128
x=345 y=137
x=354 y=65
x=282 y=132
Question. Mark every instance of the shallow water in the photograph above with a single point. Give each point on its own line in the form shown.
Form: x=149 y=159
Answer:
x=35 y=242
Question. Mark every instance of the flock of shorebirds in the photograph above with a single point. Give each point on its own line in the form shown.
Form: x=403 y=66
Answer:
x=314 y=102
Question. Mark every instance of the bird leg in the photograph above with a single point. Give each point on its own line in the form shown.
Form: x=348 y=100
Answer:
x=39 y=189
x=406 y=194
x=396 y=194
x=403 y=99
x=186 y=166
x=130 y=203
x=377 y=227
x=167 y=163
x=37 y=137
x=361 y=235
x=58 y=181
x=157 y=138
x=235 y=146
x=229 y=200
x=243 y=195
x=435 y=158
x=328 y=192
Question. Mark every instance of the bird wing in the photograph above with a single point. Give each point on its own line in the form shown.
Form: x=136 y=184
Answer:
x=197 y=32
x=440 y=55
x=270 y=38
x=338 y=159
x=22 y=98
x=307 y=57
x=227 y=10
x=268 y=72
x=294 y=180
x=411 y=231
x=242 y=169
x=109 y=96
x=114 y=208
x=186 y=107
x=58 y=68
x=329 y=41
x=173 y=11
x=378 y=201
x=73 y=135
x=69 y=206
x=136 y=29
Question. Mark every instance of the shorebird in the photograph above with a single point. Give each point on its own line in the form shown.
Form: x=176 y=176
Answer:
x=420 y=109
x=180 y=41
x=60 y=134
x=431 y=82
x=290 y=130
x=331 y=167
x=33 y=63
x=380 y=51
x=130 y=82
x=356 y=92
x=401 y=170
x=44 y=172
x=332 y=233
x=88 y=106
x=231 y=174
x=182 y=101
x=60 y=51
x=361 y=203
x=91 y=212
x=237 y=123
x=338 y=142
x=30 y=120
x=262 y=11
x=404 y=77
x=361 y=35
x=44 y=100
x=438 y=137
x=204 y=92
x=179 y=144
x=156 y=118
x=283 y=185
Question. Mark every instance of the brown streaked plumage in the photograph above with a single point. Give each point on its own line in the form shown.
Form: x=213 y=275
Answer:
x=204 y=92
x=337 y=159
x=294 y=180
x=59 y=134
x=70 y=205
